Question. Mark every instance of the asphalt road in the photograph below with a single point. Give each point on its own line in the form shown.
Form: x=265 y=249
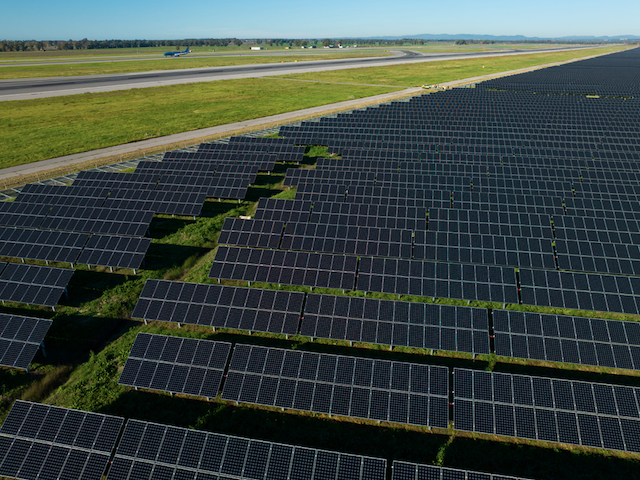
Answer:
x=30 y=88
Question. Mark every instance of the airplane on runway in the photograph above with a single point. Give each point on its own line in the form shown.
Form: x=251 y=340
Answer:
x=177 y=54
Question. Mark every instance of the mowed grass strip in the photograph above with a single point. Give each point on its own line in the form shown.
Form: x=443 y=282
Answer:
x=128 y=66
x=32 y=130
x=413 y=75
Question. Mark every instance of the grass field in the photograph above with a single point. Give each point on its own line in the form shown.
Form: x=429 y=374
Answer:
x=33 y=130
x=414 y=75
x=92 y=334
x=142 y=65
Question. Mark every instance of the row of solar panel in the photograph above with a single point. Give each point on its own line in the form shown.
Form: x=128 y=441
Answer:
x=583 y=291
x=577 y=340
x=483 y=178
x=403 y=160
x=292 y=379
x=20 y=338
x=42 y=441
x=211 y=185
x=33 y=284
x=106 y=221
x=556 y=410
x=81 y=248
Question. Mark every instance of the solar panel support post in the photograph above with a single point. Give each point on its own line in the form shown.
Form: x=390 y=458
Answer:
x=44 y=352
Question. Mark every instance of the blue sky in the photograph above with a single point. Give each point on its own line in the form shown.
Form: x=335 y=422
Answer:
x=163 y=19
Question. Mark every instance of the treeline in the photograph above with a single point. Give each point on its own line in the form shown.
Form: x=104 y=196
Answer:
x=85 y=44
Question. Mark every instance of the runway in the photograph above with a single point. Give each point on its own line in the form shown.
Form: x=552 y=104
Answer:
x=33 y=88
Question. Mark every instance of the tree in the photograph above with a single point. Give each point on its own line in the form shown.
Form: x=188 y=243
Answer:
x=326 y=42
x=238 y=42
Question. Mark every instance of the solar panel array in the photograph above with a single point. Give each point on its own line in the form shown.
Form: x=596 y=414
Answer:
x=220 y=306
x=42 y=441
x=33 y=284
x=73 y=225
x=414 y=471
x=153 y=451
x=176 y=365
x=560 y=338
x=384 y=322
x=337 y=385
x=396 y=323
x=20 y=338
x=566 y=411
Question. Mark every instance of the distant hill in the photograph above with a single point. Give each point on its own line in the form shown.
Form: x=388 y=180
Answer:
x=507 y=38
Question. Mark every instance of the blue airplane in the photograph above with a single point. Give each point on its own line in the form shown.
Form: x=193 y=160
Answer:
x=177 y=54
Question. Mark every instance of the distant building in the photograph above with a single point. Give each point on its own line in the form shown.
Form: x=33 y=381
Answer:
x=256 y=48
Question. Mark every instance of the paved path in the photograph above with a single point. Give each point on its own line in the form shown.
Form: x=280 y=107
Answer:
x=45 y=87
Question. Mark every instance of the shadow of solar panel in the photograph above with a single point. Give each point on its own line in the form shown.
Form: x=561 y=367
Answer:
x=20 y=338
x=116 y=252
x=33 y=284
x=414 y=471
x=395 y=323
x=149 y=450
x=240 y=308
x=42 y=441
x=558 y=338
x=176 y=365
x=339 y=385
x=41 y=245
x=548 y=409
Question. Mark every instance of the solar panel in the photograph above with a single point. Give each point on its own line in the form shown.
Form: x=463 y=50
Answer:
x=548 y=409
x=584 y=291
x=289 y=268
x=41 y=245
x=404 y=324
x=153 y=451
x=115 y=252
x=43 y=441
x=25 y=215
x=176 y=365
x=33 y=284
x=107 y=221
x=415 y=471
x=34 y=193
x=165 y=202
x=565 y=339
x=437 y=279
x=241 y=308
x=110 y=180
x=380 y=390
x=20 y=338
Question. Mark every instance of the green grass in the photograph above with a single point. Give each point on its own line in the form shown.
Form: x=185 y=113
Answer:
x=414 y=75
x=33 y=130
x=142 y=65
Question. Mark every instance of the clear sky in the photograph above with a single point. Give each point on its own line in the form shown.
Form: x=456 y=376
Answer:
x=163 y=19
